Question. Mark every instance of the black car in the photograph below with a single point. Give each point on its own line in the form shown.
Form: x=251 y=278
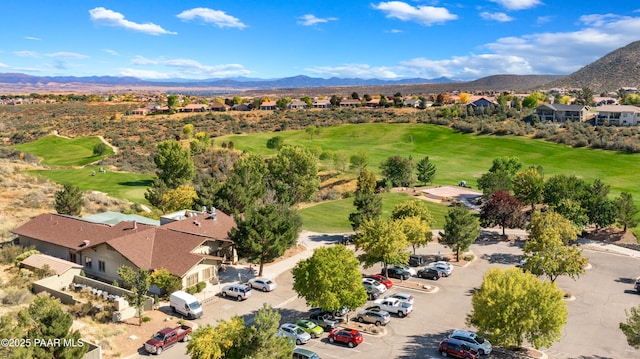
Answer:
x=397 y=273
x=417 y=260
x=428 y=273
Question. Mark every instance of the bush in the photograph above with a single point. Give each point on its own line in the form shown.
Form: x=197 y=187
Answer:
x=24 y=255
x=15 y=295
x=99 y=149
x=192 y=290
x=146 y=319
x=200 y=286
x=468 y=257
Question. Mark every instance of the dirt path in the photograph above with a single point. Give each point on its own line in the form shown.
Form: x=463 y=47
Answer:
x=114 y=148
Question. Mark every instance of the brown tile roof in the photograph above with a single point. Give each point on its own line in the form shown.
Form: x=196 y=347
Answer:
x=56 y=265
x=203 y=225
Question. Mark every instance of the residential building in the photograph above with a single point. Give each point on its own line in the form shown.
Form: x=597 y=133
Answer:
x=321 y=103
x=268 y=105
x=619 y=115
x=564 y=113
x=297 y=105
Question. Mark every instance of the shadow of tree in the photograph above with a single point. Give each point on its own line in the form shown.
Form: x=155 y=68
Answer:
x=502 y=258
x=423 y=346
x=138 y=183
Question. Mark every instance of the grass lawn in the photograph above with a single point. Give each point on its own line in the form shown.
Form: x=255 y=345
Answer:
x=333 y=216
x=60 y=151
x=126 y=185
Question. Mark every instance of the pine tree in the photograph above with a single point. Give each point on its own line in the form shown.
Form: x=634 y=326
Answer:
x=69 y=200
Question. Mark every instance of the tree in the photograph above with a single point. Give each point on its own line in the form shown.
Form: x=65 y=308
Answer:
x=381 y=241
x=502 y=209
x=330 y=279
x=335 y=101
x=172 y=103
x=600 y=209
x=461 y=229
x=200 y=143
x=99 y=149
x=548 y=252
x=359 y=160
x=164 y=280
x=355 y=96
x=573 y=211
x=139 y=280
x=415 y=220
x=155 y=194
x=528 y=186
x=293 y=175
x=68 y=200
x=500 y=175
x=426 y=170
x=226 y=340
x=175 y=164
x=275 y=143
x=398 y=170
x=264 y=342
x=179 y=198
x=512 y=306
x=265 y=233
x=559 y=187
x=584 y=97
x=631 y=328
x=367 y=202
x=188 y=130
x=627 y=211
x=464 y=97
x=245 y=188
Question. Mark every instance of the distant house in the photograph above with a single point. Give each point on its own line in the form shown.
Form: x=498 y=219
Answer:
x=268 y=105
x=194 y=107
x=190 y=246
x=619 y=115
x=412 y=102
x=321 y=104
x=564 y=113
x=482 y=102
x=374 y=102
x=240 y=107
x=297 y=105
x=142 y=111
x=350 y=102
x=218 y=107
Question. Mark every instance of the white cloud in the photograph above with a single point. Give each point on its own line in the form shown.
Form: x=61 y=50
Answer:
x=68 y=55
x=104 y=16
x=425 y=15
x=217 y=17
x=141 y=60
x=181 y=68
x=111 y=52
x=362 y=71
x=144 y=74
x=310 y=20
x=32 y=38
x=26 y=53
x=4 y=66
x=467 y=67
x=517 y=4
x=543 y=20
x=395 y=31
x=496 y=16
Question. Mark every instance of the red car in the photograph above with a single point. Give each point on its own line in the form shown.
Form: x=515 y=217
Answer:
x=456 y=349
x=382 y=279
x=349 y=337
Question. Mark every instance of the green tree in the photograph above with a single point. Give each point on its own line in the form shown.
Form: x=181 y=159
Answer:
x=398 y=170
x=312 y=131
x=335 y=101
x=500 y=175
x=426 y=170
x=461 y=229
x=188 y=131
x=307 y=100
x=355 y=96
x=560 y=187
x=164 y=280
x=68 y=200
x=512 y=307
x=99 y=149
x=283 y=103
x=381 y=241
x=265 y=233
x=415 y=220
x=175 y=164
x=367 y=202
x=330 y=279
x=293 y=175
x=627 y=211
x=275 y=143
x=244 y=189
x=548 y=251
x=172 y=103
x=631 y=328
x=264 y=343
x=227 y=340
x=200 y=143
x=155 y=194
x=528 y=186
x=139 y=281
x=359 y=160
x=573 y=211
x=183 y=197
x=502 y=209
x=600 y=209
x=585 y=97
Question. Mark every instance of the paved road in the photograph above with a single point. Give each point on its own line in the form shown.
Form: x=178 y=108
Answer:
x=602 y=295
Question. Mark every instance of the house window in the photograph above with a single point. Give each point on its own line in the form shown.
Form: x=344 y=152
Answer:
x=192 y=280
x=87 y=262
x=207 y=273
x=101 y=266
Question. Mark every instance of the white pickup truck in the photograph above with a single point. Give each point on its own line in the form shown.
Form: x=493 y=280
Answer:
x=394 y=305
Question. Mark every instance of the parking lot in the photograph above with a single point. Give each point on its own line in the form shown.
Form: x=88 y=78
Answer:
x=601 y=297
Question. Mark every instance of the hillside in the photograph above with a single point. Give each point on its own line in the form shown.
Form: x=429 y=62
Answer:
x=619 y=68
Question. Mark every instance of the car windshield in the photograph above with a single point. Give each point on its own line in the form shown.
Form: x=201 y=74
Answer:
x=159 y=336
x=194 y=305
x=465 y=347
x=480 y=340
x=299 y=331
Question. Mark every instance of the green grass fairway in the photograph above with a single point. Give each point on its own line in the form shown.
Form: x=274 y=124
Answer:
x=459 y=156
x=333 y=216
x=130 y=186
x=59 y=151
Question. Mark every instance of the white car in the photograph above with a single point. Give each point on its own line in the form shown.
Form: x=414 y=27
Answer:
x=473 y=340
x=263 y=284
x=407 y=268
x=393 y=305
x=443 y=267
x=404 y=297
x=295 y=333
x=375 y=284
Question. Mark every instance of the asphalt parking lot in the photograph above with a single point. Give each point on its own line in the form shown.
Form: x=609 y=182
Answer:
x=601 y=297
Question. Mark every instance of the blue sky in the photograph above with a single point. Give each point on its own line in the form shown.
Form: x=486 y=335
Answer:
x=462 y=40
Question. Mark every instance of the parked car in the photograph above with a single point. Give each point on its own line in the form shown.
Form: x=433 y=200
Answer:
x=381 y=287
x=263 y=284
x=399 y=273
x=637 y=285
x=417 y=260
x=301 y=353
x=377 y=317
x=411 y=271
x=382 y=279
x=185 y=304
x=334 y=313
x=405 y=297
x=295 y=333
x=443 y=267
x=373 y=292
x=167 y=338
x=456 y=349
x=394 y=305
x=324 y=319
x=349 y=337
x=238 y=291
x=310 y=327
x=473 y=340
x=429 y=273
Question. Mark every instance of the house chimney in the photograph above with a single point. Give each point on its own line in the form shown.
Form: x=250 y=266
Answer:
x=135 y=225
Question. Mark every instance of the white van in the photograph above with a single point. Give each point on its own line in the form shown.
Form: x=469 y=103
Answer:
x=185 y=304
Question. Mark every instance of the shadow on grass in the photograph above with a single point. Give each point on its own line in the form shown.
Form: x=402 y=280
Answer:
x=138 y=183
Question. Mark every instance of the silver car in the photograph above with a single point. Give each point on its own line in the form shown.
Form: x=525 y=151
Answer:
x=377 y=317
x=295 y=333
x=238 y=291
x=474 y=341
x=263 y=284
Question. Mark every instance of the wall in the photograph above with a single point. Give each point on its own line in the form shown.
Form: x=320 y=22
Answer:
x=46 y=248
x=112 y=258
x=94 y=352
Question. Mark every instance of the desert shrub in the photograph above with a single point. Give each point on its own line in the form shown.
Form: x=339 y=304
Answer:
x=15 y=295
x=80 y=310
x=104 y=316
x=9 y=253
x=24 y=255
x=468 y=257
x=146 y=319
